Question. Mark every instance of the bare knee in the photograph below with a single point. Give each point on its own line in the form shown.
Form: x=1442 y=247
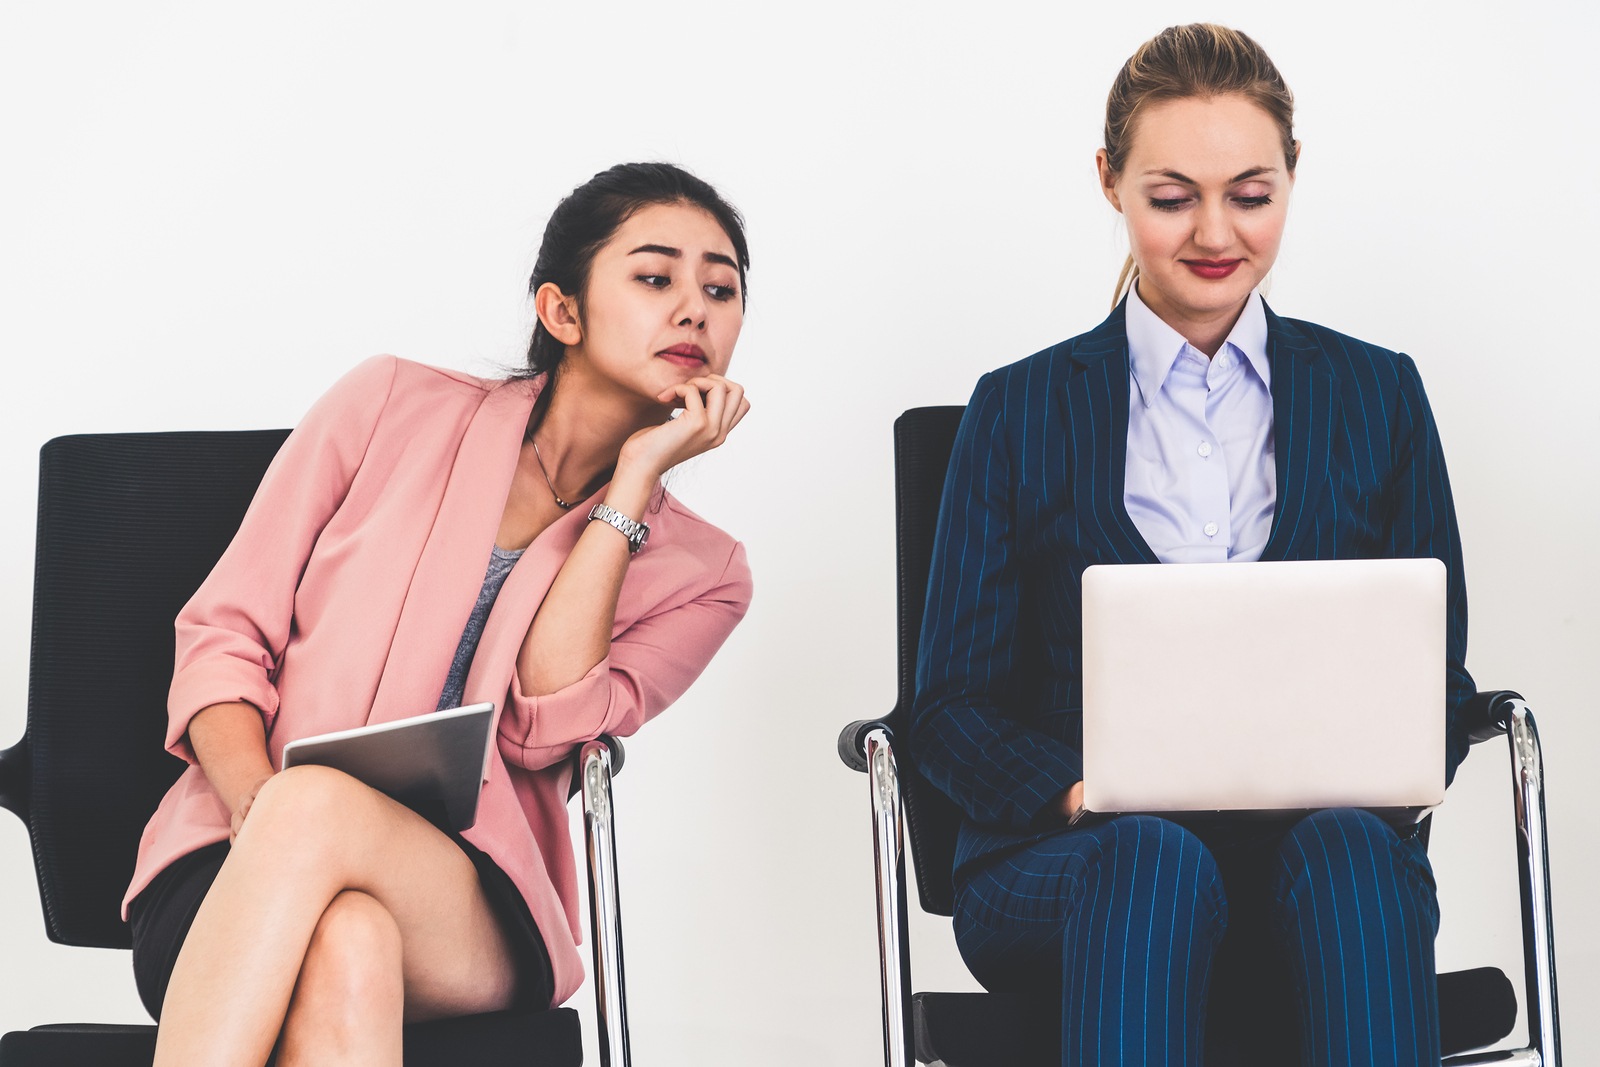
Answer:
x=356 y=941
x=304 y=812
x=351 y=991
x=305 y=793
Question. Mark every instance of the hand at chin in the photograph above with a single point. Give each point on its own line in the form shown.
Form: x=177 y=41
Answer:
x=700 y=414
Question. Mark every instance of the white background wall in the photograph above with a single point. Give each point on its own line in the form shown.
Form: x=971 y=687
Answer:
x=211 y=211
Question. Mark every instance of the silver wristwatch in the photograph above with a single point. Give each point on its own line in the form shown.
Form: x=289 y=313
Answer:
x=637 y=533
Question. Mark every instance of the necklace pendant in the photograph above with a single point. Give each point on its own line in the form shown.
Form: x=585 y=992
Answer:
x=562 y=504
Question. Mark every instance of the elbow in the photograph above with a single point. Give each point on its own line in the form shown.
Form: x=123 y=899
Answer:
x=538 y=729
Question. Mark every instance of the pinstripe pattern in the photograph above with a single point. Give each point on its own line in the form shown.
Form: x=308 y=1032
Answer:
x=1167 y=946
x=1076 y=915
x=1034 y=495
x=1355 y=917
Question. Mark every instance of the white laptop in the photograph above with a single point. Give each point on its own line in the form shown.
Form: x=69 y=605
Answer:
x=1268 y=687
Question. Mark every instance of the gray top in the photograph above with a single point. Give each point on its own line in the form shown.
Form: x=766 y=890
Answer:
x=501 y=561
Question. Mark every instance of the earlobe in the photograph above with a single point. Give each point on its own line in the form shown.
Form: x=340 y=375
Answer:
x=559 y=313
x=1108 y=180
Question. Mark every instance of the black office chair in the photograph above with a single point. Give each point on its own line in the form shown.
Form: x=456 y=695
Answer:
x=129 y=525
x=1477 y=1007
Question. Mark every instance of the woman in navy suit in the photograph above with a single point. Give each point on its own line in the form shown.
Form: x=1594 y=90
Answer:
x=1193 y=425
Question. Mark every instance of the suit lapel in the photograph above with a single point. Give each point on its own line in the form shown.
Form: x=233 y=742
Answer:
x=1094 y=400
x=1304 y=402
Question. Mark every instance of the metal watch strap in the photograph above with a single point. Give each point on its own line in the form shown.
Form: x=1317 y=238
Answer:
x=636 y=532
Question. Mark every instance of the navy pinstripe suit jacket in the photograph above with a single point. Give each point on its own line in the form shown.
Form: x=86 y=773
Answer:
x=1034 y=495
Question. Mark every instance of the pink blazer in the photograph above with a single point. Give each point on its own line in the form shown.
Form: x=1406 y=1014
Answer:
x=342 y=599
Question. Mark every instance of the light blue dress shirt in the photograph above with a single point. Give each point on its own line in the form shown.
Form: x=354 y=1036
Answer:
x=1201 y=475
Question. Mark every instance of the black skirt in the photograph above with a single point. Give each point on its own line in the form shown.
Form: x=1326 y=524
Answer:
x=165 y=909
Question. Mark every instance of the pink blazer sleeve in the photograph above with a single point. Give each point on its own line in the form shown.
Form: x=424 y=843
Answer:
x=232 y=633
x=650 y=665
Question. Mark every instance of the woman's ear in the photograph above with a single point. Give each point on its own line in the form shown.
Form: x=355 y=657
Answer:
x=1108 y=180
x=559 y=313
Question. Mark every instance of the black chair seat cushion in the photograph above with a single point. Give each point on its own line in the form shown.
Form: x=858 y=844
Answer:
x=86 y=1043
x=1476 y=1008
x=512 y=1039
x=983 y=1030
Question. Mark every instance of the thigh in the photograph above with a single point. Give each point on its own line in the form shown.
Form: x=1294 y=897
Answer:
x=314 y=832
x=1349 y=886
x=160 y=916
x=1146 y=877
x=536 y=981
x=1355 y=912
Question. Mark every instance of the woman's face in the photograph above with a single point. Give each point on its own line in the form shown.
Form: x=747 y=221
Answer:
x=1205 y=191
x=662 y=304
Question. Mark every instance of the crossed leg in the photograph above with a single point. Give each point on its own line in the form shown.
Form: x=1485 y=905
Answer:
x=338 y=914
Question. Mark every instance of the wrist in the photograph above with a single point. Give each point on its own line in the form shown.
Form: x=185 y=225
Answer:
x=1072 y=801
x=640 y=459
x=237 y=791
x=630 y=492
x=635 y=532
x=251 y=785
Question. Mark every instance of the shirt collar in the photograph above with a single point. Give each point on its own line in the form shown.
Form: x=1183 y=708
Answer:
x=1154 y=347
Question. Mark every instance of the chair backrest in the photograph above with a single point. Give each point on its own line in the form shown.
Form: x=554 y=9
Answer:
x=129 y=526
x=923 y=438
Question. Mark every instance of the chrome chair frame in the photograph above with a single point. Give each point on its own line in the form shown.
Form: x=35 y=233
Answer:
x=1508 y=714
x=605 y=907
x=1511 y=715
x=888 y=852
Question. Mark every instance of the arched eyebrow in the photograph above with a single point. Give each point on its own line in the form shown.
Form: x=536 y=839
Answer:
x=677 y=253
x=1253 y=172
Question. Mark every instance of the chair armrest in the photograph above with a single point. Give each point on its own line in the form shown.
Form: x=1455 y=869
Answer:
x=1488 y=714
x=618 y=755
x=16 y=777
x=853 y=742
x=615 y=744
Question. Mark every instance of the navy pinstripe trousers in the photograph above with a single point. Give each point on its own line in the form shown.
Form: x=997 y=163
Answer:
x=1229 y=945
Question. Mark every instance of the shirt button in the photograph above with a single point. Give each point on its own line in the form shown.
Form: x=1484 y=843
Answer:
x=1211 y=529
x=1205 y=449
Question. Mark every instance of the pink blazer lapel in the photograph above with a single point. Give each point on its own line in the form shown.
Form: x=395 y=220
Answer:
x=450 y=570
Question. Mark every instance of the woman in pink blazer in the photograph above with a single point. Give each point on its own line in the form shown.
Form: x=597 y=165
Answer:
x=303 y=909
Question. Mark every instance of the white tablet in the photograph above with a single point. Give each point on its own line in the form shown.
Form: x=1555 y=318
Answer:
x=434 y=764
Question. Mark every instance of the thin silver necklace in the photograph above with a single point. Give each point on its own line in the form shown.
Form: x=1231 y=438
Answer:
x=562 y=504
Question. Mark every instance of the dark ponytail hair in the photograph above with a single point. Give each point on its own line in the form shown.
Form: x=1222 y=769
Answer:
x=588 y=217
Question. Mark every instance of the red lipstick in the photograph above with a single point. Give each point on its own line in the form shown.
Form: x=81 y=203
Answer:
x=684 y=355
x=1213 y=268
